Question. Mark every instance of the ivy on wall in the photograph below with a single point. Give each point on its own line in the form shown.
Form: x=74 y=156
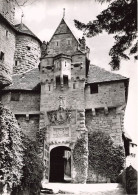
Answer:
x=32 y=170
x=11 y=150
x=80 y=159
x=105 y=158
x=20 y=166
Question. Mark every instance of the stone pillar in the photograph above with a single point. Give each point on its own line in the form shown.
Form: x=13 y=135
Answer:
x=80 y=152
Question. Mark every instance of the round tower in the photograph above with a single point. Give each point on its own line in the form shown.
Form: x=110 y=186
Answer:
x=7 y=9
x=7 y=41
x=27 y=50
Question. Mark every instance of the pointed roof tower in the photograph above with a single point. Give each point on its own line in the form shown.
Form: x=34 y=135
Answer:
x=63 y=41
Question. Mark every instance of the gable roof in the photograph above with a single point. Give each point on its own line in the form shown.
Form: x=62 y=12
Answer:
x=99 y=75
x=26 y=81
x=64 y=30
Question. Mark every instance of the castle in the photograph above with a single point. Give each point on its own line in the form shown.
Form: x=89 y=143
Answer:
x=53 y=87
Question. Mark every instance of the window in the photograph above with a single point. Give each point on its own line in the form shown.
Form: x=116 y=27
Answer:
x=7 y=33
x=93 y=88
x=57 y=81
x=65 y=80
x=49 y=87
x=28 y=48
x=16 y=62
x=57 y=43
x=68 y=41
x=74 y=85
x=1 y=56
x=15 y=96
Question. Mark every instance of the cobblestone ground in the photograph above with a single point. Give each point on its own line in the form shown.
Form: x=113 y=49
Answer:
x=87 y=189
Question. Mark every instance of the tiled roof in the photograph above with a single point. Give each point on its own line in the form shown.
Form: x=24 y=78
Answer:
x=26 y=81
x=23 y=29
x=99 y=75
x=31 y=79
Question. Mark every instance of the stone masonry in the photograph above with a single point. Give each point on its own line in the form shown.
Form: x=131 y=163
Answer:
x=19 y=47
x=64 y=99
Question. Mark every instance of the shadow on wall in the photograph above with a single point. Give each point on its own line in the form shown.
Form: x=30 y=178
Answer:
x=128 y=178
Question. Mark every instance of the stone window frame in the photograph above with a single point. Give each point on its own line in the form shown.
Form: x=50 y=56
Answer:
x=56 y=43
x=69 y=41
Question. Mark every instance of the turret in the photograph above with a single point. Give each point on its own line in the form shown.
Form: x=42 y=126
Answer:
x=7 y=41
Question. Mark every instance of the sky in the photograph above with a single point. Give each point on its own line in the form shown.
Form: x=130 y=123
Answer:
x=43 y=17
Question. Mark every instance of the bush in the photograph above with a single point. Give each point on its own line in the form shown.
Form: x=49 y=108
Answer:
x=105 y=158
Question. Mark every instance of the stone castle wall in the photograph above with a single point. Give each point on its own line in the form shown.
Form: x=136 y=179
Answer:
x=27 y=54
x=109 y=94
x=63 y=45
x=26 y=110
x=7 y=47
x=29 y=125
x=110 y=123
x=7 y=9
x=29 y=102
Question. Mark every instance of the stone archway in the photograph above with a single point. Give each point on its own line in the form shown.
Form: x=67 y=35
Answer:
x=60 y=164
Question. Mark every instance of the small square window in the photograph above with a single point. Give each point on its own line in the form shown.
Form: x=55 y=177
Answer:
x=28 y=48
x=1 y=56
x=15 y=96
x=93 y=88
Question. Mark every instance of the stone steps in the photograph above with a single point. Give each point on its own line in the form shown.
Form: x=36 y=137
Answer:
x=84 y=189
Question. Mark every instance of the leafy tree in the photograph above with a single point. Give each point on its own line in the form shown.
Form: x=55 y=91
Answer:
x=24 y=3
x=118 y=19
x=11 y=149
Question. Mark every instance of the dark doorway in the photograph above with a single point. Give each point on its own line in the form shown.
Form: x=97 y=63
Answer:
x=60 y=164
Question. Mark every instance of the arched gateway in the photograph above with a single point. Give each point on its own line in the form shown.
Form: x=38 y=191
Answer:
x=60 y=164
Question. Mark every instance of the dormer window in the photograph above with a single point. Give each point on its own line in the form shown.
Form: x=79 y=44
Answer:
x=93 y=88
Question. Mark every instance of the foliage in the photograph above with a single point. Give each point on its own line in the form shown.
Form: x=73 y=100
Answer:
x=105 y=157
x=33 y=167
x=11 y=149
x=120 y=19
x=80 y=159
